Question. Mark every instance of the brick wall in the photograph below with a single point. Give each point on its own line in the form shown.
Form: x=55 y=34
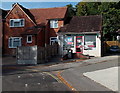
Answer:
x=16 y=13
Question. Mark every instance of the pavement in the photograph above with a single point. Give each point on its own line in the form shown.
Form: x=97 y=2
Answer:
x=106 y=77
x=83 y=78
x=65 y=66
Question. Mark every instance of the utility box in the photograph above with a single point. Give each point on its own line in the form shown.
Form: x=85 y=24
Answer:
x=27 y=55
x=34 y=54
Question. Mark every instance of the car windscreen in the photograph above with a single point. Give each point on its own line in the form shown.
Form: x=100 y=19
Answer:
x=114 y=47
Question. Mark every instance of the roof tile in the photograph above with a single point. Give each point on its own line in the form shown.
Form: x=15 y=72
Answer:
x=42 y=14
x=91 y=23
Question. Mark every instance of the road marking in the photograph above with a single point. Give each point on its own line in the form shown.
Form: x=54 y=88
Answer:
x=35 y=70
x=65 y=82
x=53 y=76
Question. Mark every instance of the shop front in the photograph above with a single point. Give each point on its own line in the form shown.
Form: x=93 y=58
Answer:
x=82 y=35
x=87 y=44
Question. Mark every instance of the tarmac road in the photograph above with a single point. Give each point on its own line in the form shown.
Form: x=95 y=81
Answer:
x=40 y=81
x=19 y=79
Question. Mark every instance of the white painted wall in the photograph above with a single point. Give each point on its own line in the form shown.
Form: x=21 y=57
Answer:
x=74 y=49
x=95 y=52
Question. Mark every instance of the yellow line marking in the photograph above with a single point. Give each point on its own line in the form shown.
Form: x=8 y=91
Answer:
x=52 y=76
x=65 y=82
x=35 y=70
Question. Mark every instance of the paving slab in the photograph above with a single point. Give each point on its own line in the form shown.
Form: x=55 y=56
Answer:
x=106 y=77
x=80 y=82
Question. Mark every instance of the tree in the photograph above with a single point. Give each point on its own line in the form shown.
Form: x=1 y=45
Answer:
x=71 y=10
x=110 y=12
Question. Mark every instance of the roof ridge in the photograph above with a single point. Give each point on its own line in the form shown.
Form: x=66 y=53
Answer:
x=48 y=8
x=87 y=16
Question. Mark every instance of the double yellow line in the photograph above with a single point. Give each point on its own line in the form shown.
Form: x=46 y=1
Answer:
x=53 y=76
x=65 y=82
x=60 y=79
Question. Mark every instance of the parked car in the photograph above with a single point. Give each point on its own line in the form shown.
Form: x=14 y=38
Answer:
x=114 y=49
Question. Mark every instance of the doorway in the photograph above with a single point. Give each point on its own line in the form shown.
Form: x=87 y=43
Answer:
x=79 y=42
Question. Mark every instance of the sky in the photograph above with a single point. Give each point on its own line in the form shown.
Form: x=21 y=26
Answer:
x=8 y=5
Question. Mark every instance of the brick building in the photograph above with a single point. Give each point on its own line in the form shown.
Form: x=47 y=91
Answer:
x=28 y=27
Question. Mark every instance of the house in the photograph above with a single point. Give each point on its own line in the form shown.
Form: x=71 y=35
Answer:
x=28 y=27
x=83 y=35
x=3 y=13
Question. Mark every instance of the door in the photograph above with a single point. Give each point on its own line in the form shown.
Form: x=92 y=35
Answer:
x=79 y=42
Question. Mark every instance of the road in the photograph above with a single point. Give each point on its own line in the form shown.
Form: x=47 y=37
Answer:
x=40 y=81
x=19 y=78
x=59 y=77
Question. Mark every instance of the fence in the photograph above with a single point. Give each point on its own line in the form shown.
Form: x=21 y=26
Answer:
x=35 y=55
x=107 y=44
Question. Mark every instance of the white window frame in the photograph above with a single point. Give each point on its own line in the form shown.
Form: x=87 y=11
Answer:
x=27 y=38
x=52 y=23
x=13 y=41
x=53 y=40
x=17 y=20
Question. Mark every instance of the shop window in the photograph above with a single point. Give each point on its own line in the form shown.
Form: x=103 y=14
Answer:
x=69 y=41
x=90 y=42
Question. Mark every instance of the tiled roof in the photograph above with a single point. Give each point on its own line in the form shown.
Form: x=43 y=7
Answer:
x=91 y=23
x=28 y=13
x=41 y=15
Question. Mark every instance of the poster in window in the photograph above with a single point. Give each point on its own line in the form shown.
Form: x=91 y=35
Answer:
x=90 y=41
x=69 y=40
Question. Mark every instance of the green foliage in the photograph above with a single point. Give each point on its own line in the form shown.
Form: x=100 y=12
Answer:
x=71 y=10
x=109 y=10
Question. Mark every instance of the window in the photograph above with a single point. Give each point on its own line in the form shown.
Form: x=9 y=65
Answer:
x=53 y=40
x=69 y=41
x=53 y=23
x=29 y=39
x=17 y=22
x=90 y=42
x=14 y=42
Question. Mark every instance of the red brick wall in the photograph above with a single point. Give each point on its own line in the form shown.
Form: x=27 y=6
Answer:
x=41 y=38
x=1 y=32
x=16 y=13
x=51 y=32
x=24 y=41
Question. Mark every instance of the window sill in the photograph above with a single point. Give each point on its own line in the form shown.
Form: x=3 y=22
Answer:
x=29 y=42
x=12 y=47
x=53 y=27
x=16 y=26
